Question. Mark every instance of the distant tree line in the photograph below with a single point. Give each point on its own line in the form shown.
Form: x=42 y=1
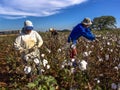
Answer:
x=99 y=23
x=104 y=22
x=9 y=32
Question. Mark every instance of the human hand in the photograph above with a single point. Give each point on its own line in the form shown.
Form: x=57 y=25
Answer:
x=21 y=50
x=33 y=49
x=73 y=46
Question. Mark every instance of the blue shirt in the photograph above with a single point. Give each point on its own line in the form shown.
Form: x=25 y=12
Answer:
x=78 y=31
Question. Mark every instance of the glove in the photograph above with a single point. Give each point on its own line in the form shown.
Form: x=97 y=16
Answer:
x=73 y=46
x=22 y=50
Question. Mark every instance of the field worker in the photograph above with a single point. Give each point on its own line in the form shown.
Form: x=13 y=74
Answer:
x=54 y=33
x=82 y=29
x=28 y=43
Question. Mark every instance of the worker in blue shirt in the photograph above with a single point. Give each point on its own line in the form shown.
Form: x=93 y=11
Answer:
x=82 y=29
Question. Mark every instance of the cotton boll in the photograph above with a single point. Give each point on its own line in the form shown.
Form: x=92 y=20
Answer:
x=89 y=52
x=37 y=61
x=83 y=65
x=42 y=70
x=92 y=46
x=72 y=70
x=64 y=62
x=48 y=66
x=118 y=86
x=114 y=86
x=27 y=69
x=87 y=46
x=101 y=75
x=45 y=62
x=42 y=55
x=111 y=50
x=106 y=57
x=98 y=36
x=72 y=59
x=48 y=50
x=59 y=50
x=26 y=58
x=108 y=43
x=69 y=63
x=62 y=66
x=101 y=48
x=98 y=81
x=85 y=54
x=100 y=59
x=119 y=66
x=118 y=42
x=116 y=68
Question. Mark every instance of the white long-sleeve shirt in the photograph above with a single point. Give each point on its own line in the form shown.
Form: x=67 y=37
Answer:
x=27 y=41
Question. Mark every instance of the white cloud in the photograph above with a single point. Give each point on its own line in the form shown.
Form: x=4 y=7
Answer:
x=14 y=9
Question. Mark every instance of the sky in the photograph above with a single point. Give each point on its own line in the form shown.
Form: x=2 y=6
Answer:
x=57 y=14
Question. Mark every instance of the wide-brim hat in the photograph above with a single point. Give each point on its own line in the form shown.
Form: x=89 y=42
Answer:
x=51 y=29
x=87 y=21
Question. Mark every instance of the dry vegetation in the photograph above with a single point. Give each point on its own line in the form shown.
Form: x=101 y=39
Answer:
x=102 y=56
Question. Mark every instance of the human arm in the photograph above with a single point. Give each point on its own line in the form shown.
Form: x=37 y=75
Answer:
x=18 y=43
x=87 y=34
x=39 y=40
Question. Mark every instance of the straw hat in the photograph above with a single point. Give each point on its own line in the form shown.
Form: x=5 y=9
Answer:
x=86 y=21
x=51 y=29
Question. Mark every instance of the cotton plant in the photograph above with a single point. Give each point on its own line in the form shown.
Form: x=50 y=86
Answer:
x=59 y=50
x=119 y=66
x=100 y=59
x=108 y=43
x=111 y=50
x=83 y=65
x=45 y=62
x=98 y=36
x=114 y=86
x=119 y=86
x=36 y=61
x=48 y=66
x=69 y=63
x=42 y=70
x=118 y=42
x=101 y=48
x=48 y=50
x=72 y=70
x=116 y=68
x=87 y=46
x=85 y=54
x=65 y=63
x=42 y=55
x=107 y=57
x=101 y=75
x=97 y=80
x=27 y=69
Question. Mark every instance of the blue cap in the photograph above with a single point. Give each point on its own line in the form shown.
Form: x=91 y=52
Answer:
x=28 y=28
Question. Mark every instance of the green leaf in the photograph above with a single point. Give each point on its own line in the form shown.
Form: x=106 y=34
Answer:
x=31 y=85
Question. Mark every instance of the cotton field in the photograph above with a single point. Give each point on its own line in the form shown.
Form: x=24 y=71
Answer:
x=96 y=67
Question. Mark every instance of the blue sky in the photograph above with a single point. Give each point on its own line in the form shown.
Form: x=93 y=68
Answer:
x=59 y=14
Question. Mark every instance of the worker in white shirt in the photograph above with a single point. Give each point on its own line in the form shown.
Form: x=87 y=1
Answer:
x=28 y=43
